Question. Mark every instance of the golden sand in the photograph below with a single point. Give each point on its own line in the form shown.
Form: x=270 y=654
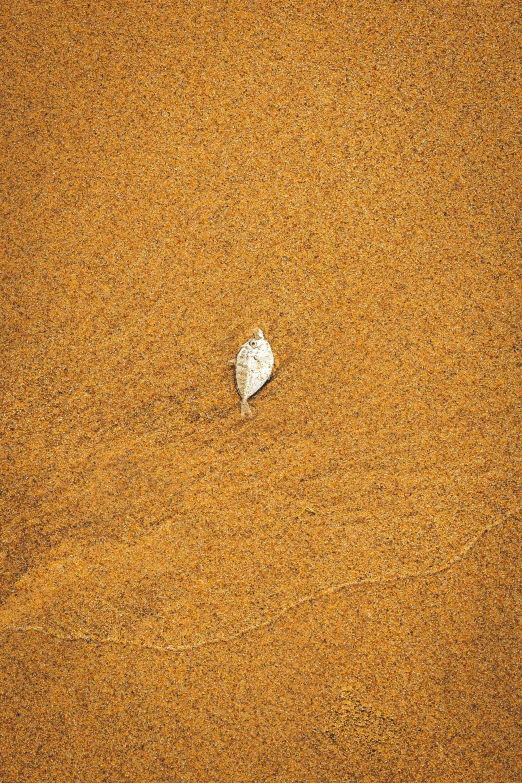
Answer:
x=329 y=591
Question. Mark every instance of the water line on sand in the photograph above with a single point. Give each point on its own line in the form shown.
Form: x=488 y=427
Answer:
x=364 y=580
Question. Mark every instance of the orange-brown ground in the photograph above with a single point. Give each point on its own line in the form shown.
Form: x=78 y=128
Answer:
x=329 y=591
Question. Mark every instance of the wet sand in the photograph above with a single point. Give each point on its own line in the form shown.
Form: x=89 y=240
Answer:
x=330 y=591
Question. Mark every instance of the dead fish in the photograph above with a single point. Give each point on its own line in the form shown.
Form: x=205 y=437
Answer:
x=254 y=364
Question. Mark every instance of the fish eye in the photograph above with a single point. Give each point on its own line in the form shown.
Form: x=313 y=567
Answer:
x=253 y=343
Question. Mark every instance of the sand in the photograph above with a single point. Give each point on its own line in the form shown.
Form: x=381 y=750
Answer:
x=330 y=591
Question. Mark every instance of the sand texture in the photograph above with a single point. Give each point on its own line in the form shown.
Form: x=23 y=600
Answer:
x=330 y=591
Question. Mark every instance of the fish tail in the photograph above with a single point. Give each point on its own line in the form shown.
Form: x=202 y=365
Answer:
x=246 y=411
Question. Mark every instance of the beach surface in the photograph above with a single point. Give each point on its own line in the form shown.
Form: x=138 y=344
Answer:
x=330 y=591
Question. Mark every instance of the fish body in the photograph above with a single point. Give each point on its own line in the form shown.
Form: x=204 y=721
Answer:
x=254 y=366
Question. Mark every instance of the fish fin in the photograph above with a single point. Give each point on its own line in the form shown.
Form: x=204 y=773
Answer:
x=246 y=411
x=232 y=361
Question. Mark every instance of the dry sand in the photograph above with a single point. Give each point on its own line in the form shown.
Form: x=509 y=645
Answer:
x=328 y=592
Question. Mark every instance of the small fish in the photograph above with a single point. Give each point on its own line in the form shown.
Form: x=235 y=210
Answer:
x=254 y=364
